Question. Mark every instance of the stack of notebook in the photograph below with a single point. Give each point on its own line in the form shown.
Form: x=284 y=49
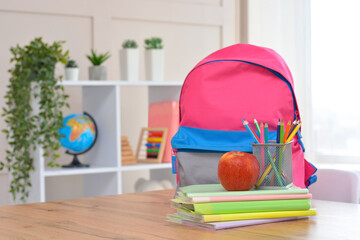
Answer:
x=211 y=206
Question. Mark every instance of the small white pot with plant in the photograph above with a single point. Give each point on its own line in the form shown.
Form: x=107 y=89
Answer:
x=97 y=72
x=154 y=59
x=71 y=71
x=129 y=61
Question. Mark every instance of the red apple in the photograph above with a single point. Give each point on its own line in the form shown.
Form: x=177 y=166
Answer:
x=238 y=171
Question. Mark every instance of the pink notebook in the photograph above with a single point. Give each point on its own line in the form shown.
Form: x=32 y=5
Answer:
x=165 y=114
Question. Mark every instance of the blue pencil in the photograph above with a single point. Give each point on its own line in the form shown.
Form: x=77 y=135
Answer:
x=278 y=132
x=246 y=125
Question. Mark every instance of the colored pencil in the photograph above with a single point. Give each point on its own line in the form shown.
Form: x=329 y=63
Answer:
x=277 y=140
x=257 y=126
x=266 y=133
x=291 y=136
x=281 y=140
x=262 y=141
x=266 y=140
x=278 y=132
x=287 y=130
x=246 y=125
x=252 y=130
x=296 y=129
x=281 y=132
x=293 y=125
x=267 y=170
x=271 y=166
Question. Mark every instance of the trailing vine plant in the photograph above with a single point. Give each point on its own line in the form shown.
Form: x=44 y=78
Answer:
x=32 y=77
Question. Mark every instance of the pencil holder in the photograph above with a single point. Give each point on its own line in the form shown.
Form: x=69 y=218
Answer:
x=275 y=161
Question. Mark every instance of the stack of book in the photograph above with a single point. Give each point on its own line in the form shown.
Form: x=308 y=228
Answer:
x=211 y=206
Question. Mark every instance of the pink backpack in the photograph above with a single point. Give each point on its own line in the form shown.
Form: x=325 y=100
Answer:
x=240 y=81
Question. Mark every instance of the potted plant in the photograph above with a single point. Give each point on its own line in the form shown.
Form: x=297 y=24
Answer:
x=129 y=61
x=32 y=83
x=154 y=59
x=71 y=71
x=97 y=72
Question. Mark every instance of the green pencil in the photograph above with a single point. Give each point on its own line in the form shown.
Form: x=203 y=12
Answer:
x=281 y=148
x=257 y=126
x=266 y=141
x=281 y=137
x=281 y=140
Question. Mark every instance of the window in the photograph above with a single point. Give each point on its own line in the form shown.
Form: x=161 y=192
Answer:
x=335 y=50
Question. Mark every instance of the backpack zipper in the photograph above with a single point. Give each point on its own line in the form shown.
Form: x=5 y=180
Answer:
x=296 y=112
x=174 y=161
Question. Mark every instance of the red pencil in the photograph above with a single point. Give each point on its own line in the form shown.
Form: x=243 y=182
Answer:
x=252 y=130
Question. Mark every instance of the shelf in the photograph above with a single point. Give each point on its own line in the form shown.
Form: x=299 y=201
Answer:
x=104 y=100
x=53 y=172
x=145 y=166
x=149 y=83
x=118 y=83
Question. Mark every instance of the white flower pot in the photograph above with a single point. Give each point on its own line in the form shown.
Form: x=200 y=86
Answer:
x=72 y=74
x=129 y=64
x=154 y=64
x=97 y=73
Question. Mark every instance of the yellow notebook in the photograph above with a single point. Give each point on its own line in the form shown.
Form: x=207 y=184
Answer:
x=245 y=216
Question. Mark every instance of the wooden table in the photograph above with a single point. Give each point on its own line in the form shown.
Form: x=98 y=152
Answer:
x=142 y=216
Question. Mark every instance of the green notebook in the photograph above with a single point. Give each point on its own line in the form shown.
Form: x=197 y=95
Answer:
x=242 y=207
x=206 y=190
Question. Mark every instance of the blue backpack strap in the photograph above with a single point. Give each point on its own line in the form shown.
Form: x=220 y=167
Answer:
x=300 y=141
x=313 y=178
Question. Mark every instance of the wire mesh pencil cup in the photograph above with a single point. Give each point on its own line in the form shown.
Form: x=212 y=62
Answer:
x=275 y=161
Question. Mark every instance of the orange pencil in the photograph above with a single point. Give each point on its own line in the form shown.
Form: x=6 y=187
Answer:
x=287 y=131
x=293 y=125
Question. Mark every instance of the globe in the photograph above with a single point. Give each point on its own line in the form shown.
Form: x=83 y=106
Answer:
x=79 y=135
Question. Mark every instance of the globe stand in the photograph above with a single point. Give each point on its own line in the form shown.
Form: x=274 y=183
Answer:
x=75 y=162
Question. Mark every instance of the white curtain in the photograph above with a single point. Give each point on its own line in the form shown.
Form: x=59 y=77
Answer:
x=284 y=25
x=336 y=79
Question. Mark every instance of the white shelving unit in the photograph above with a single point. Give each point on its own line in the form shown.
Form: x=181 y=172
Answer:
x=104 y=177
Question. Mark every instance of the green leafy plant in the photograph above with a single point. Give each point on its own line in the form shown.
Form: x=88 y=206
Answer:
x=129 y=44
x=32 y=77
x=153 y=43
x=71 y=64
x=98 y=59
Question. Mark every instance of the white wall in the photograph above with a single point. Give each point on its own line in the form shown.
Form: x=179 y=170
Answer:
x=190 y=30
